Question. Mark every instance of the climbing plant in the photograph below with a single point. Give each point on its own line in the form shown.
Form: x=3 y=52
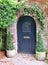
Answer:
x=7 y=13
x=7 y=17
x=30 y=9
x=9 y=9
x=34 y=9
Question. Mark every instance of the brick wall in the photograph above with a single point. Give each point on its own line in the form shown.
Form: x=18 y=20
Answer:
x=44 y=7
x=41 y=1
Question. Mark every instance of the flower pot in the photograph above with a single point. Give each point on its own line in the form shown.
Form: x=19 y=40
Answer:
x=10 y=53
x=41 y=55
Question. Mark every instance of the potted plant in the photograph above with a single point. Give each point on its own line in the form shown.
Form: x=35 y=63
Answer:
x=46 y=35
x=40 y=50
x=10 y=50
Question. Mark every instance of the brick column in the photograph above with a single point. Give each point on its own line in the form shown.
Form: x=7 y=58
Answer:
x=13 y=30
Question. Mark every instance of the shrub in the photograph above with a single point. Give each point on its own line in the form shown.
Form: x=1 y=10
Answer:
x=10 y=45
x=40 y=44
x=7 y=13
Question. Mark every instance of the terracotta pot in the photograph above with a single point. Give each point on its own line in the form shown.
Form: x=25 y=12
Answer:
x=10 y=53
x=41 y=55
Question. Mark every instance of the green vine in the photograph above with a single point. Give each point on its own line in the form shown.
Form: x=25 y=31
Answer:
x=40 y=44
x=9 y=9
x=33 y=8
x=7 y=13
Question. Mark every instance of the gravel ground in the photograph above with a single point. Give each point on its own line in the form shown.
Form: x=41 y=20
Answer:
x=21 y=59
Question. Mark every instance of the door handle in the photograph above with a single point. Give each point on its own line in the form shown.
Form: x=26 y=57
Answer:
x=26 y=37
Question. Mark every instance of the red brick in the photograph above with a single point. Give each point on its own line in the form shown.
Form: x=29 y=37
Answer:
x=46 y=11
x=2 y=54
x=33 y=0
x=41 y=1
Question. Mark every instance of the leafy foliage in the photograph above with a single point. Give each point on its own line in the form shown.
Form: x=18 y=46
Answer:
x=10 y=45
x=0 y=46
x=0 y=39
x=4 y=37
x=33 y=8
x=9 y=9
x=39 y=13
x=7 y=12
x=40 y=46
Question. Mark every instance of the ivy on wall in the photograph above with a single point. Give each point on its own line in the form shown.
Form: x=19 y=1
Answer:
x=7 y=13
x=33 y=9
x=9 y=9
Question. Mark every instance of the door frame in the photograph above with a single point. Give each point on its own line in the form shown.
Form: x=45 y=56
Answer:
x=17 y=27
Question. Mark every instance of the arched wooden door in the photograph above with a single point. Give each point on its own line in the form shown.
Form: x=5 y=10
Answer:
x=26 y=31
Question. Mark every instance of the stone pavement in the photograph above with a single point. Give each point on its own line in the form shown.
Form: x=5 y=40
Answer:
x=21 y=59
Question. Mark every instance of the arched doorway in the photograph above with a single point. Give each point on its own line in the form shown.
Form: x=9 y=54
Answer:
x=26 y=31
